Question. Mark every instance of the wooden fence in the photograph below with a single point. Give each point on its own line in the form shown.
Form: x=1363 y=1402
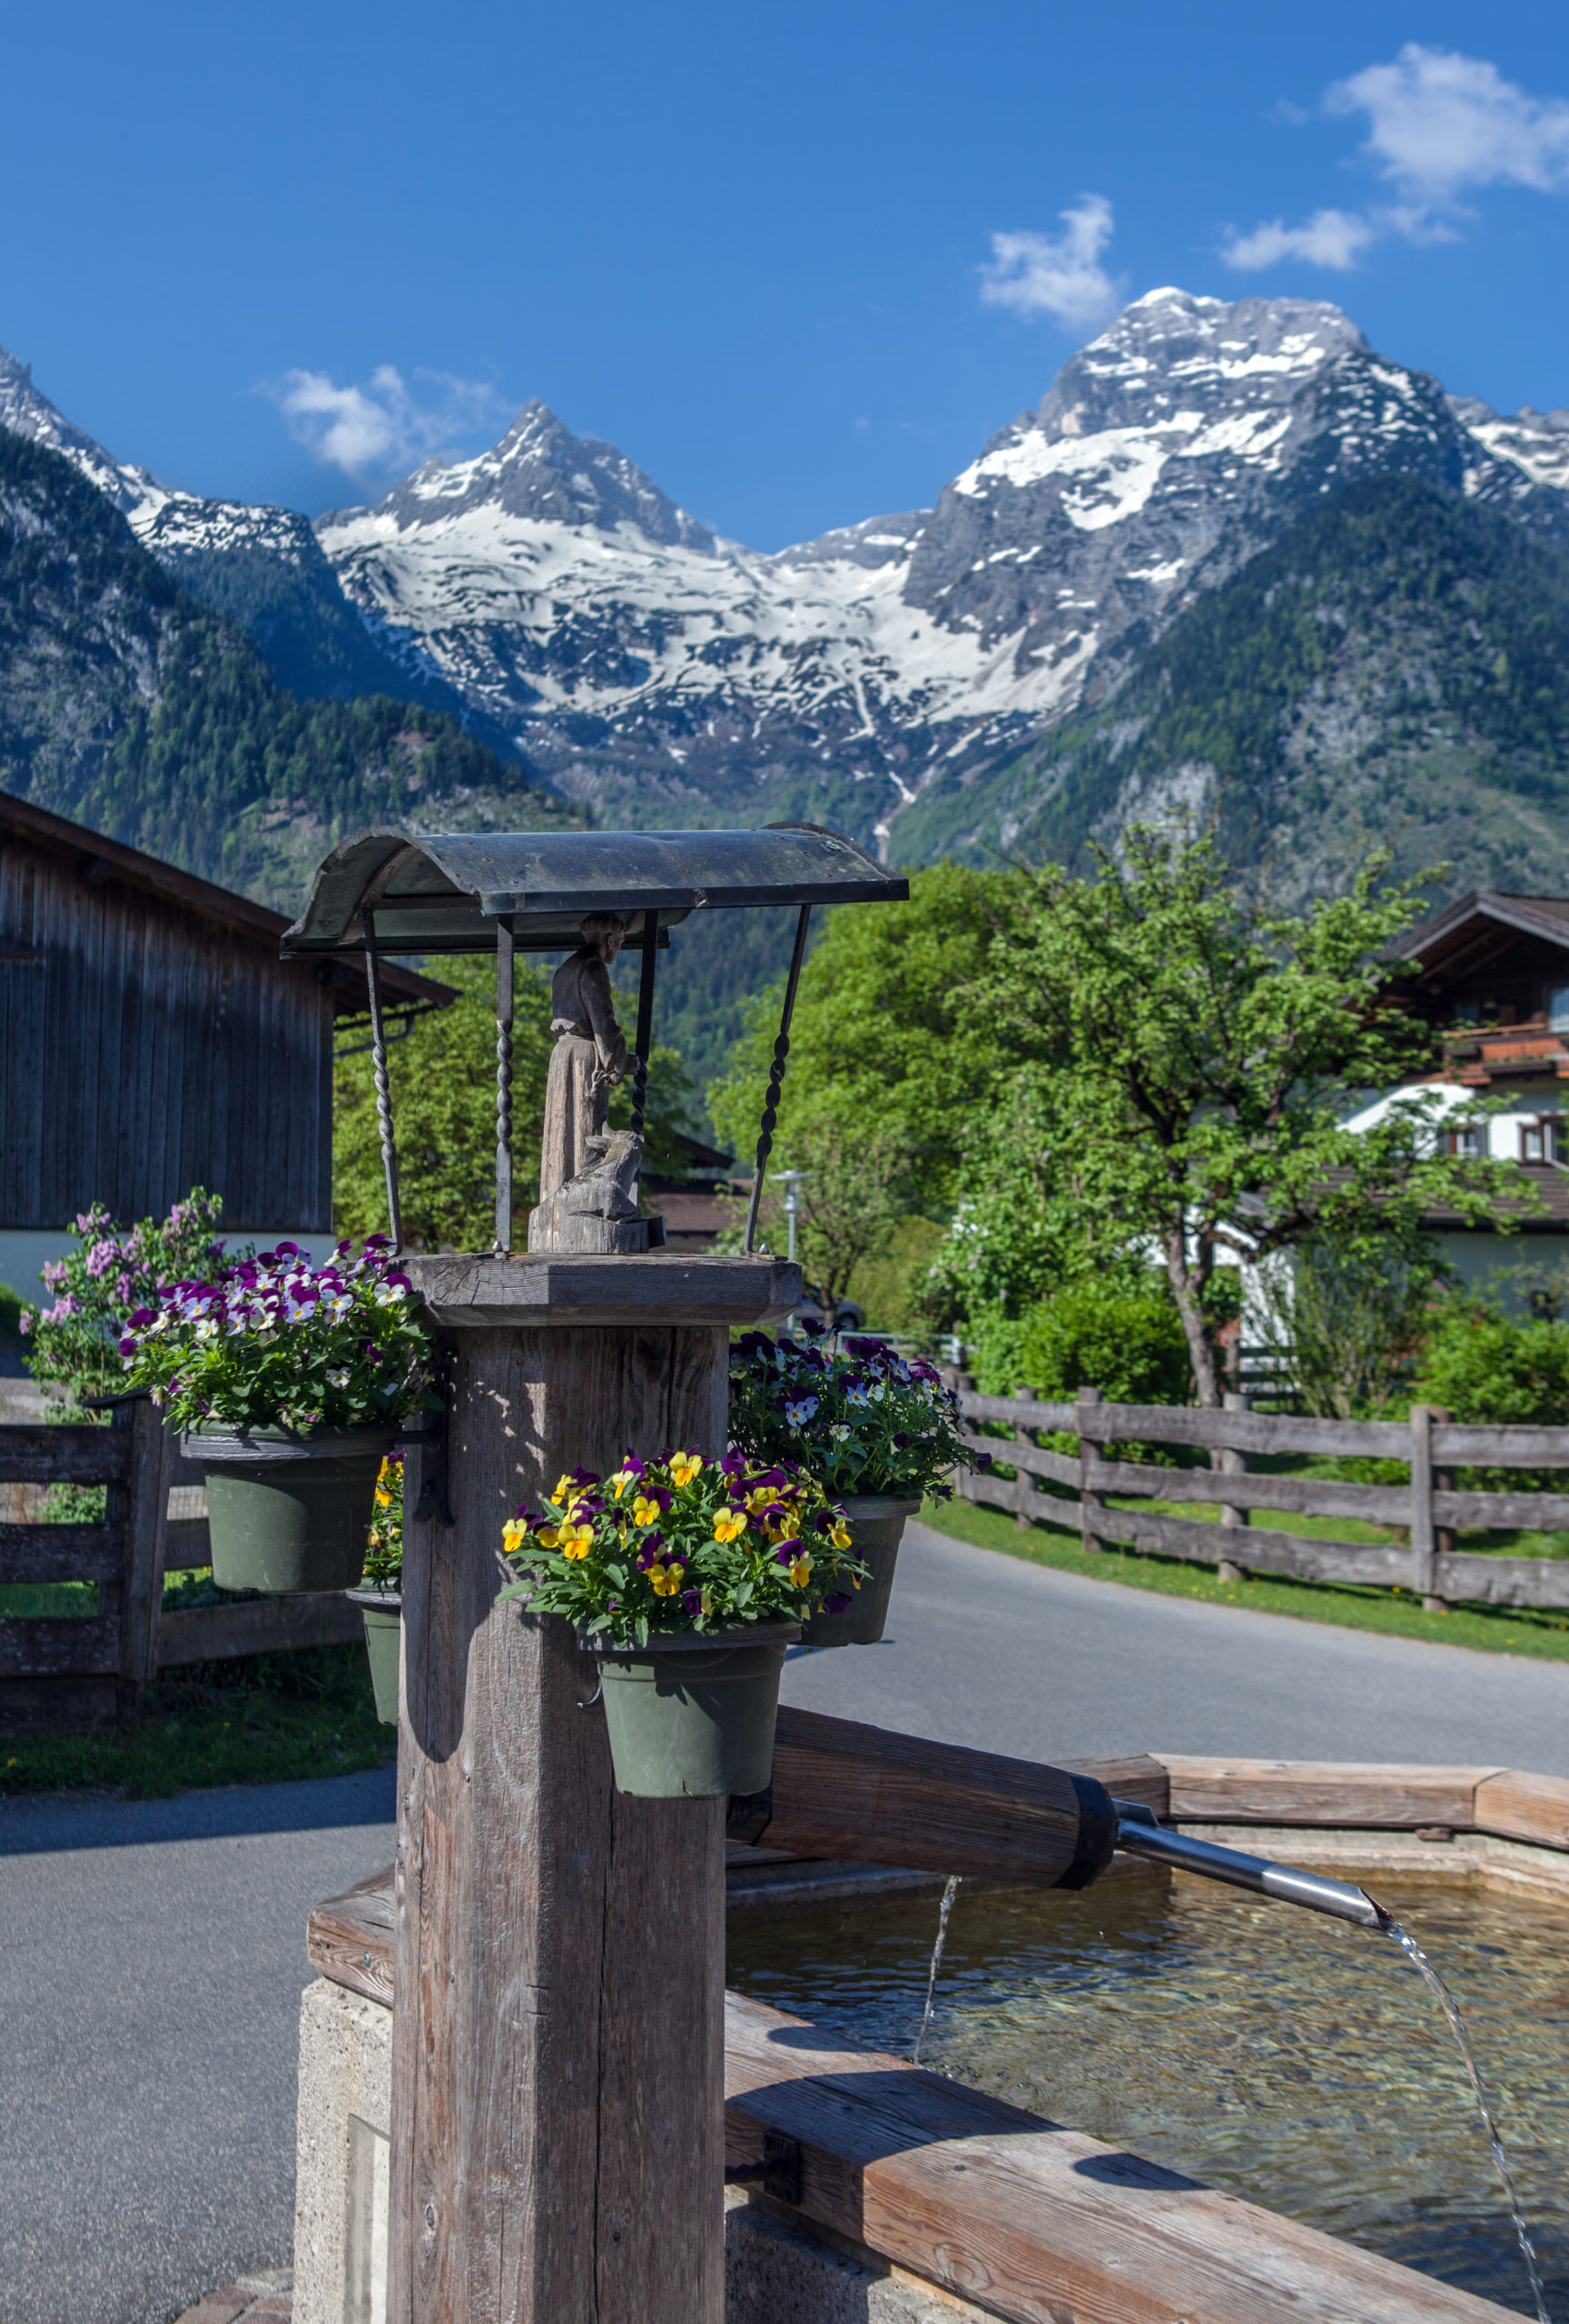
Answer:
x=1427 y=1506
x=60 y=1671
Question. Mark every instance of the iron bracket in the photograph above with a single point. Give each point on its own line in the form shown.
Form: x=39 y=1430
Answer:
x=777 y=2173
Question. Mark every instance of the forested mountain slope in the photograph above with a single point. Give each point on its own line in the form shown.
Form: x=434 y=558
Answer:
x=127 y=706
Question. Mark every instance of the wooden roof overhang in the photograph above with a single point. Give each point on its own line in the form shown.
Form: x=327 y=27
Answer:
x=98 y=858
x=1470 y=933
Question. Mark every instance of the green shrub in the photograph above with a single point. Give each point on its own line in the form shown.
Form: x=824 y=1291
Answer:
x=1128 y=1344
x=1482 y=1365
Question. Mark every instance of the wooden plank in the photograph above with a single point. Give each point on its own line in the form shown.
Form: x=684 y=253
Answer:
x=256 y=1626
x=1246 y=1432
x=1063 y=1467
x=1010 y=1409
x=1039 y=2224
x=1297 y=1554
x=349 y=1938
x=1424 y=1547
x=48 y=1645
x=1396 y=1798
x=1502 y=1512
x=186 y=1544
x=1525 y=1807
x=63 y=1452
x=1460 y=1577
x=1308 y=1496
x=1460 y=1443
x=184 y=1470
x=60 y=1553
x=557 y=2047
x=1139 y=1778
x=626 y=1288
x=841 y=1789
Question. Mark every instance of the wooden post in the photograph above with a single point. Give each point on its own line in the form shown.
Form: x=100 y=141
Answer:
x=558 y=2048
x=1230 y=1462
x=1090 y=1501
x=1429 y=1542
x=142 y=1505
x=1021 y=1489
x=1423 y=1546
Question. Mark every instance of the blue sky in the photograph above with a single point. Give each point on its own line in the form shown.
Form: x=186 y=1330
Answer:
x=283 y=253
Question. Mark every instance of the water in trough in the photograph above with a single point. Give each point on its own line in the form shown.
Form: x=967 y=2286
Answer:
x=1295 y=2059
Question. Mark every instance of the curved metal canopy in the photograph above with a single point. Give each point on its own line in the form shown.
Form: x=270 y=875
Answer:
x=446 y=892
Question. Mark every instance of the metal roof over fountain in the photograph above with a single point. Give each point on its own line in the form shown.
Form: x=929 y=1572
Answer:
x=505 y=892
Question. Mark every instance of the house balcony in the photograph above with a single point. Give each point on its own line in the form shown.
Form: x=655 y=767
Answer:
x=1521 y=1051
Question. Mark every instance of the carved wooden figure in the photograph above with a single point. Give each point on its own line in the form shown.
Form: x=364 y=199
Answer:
x=589 y=1055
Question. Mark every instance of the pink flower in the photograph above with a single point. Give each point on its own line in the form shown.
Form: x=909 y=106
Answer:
x=24 y=1322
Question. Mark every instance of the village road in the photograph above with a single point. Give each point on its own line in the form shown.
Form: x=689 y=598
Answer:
x=154 y=1953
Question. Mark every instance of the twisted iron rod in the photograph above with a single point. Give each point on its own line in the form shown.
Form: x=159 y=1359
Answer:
x=645 y=1020
x=383 y=1093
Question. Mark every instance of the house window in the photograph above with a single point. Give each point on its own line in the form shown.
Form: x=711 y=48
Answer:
x=1558 y=1008
x=1543 y=1139
x=1469 y=1138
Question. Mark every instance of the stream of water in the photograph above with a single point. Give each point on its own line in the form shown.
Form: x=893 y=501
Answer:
x=1266 y=2050
x=944 y=1909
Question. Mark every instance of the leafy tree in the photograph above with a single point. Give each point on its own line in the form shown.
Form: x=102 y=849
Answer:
x=1349 y=1323
x=1484 y=1366
x=852 y=1201
x=443 y=1085
x=1192 y=1051
x=880 y=1035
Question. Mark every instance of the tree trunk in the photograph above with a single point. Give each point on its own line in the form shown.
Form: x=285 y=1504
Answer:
x=1200 y=1354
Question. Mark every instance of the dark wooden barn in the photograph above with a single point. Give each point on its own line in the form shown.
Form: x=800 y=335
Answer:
x=152 y=1039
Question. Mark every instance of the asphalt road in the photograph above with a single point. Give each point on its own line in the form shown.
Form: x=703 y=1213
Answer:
x=154 y=1953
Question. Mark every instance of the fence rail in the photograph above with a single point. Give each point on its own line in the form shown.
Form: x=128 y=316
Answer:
x=1427 y=1505
x=68 y=1670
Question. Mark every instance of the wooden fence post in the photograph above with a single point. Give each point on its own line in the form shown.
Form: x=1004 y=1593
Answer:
x=1423 y=1546
x=1090 y=1501
x=1428 y=1541
x=1233 y=1464
x=1023 y=1488
x=142 y=1505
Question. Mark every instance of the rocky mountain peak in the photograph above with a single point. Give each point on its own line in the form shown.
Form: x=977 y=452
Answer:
x=25 y=410
x=538 y=470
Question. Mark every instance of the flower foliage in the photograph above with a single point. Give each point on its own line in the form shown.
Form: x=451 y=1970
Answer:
x=384 y=1544
x=864 y=1420
x=111 y=1272
x=274 y=1342
x=679 y=1544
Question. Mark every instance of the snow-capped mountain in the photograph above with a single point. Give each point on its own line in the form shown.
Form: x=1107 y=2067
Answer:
x=638 y=656
x=663 y=672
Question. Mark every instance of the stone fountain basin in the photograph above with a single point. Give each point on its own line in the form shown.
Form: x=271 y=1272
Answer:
x=923 y=2202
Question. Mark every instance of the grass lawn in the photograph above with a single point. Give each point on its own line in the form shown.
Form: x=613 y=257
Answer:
x=1500 y=1629
x=260 y=1718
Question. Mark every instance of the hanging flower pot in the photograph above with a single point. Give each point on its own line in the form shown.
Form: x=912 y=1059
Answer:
x=693 y=1718
x=383 y=1613
x=687 y=1579
x=287 y=1513
x=290 y=1382
x=877 y=1523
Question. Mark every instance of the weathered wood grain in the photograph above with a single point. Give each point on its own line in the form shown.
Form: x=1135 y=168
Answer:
x=1007 y=1409
x=63 y=1454
x=1144 y=1780
x=1297 y=1554
x=1310 y=1791
x=349 y=1938
x=1248 y=1432
x=1466 y=1444
x=841 y=1789
x=256 y=1626
x=1459 y=1577
x=92 y=1553
x=1063 y=1467
x=1503 y=1510
x=630 y=1288
x=1525 y=1807
x=557 y=2045
x=50 y=1646
x=1424 y=1546
x=1308 y=1496
x=1040 y=2224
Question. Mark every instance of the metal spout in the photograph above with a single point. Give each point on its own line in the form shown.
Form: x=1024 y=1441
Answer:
x=1140 y=1833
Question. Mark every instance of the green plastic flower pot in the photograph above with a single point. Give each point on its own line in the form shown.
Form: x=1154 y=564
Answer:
x=693 y=1718
x=877 y=1523
x=383 y=1613
x=287 y=1513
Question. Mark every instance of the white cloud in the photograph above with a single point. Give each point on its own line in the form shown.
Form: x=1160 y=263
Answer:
x=1439 y=126
x=375 y=429
x=1056 y=275
x=1329 y=237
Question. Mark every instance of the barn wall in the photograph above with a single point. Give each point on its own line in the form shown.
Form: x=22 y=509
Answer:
x=145 y=1049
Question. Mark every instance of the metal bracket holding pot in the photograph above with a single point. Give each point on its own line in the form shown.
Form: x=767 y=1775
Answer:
x=432 y=1508
x=778 y=2172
